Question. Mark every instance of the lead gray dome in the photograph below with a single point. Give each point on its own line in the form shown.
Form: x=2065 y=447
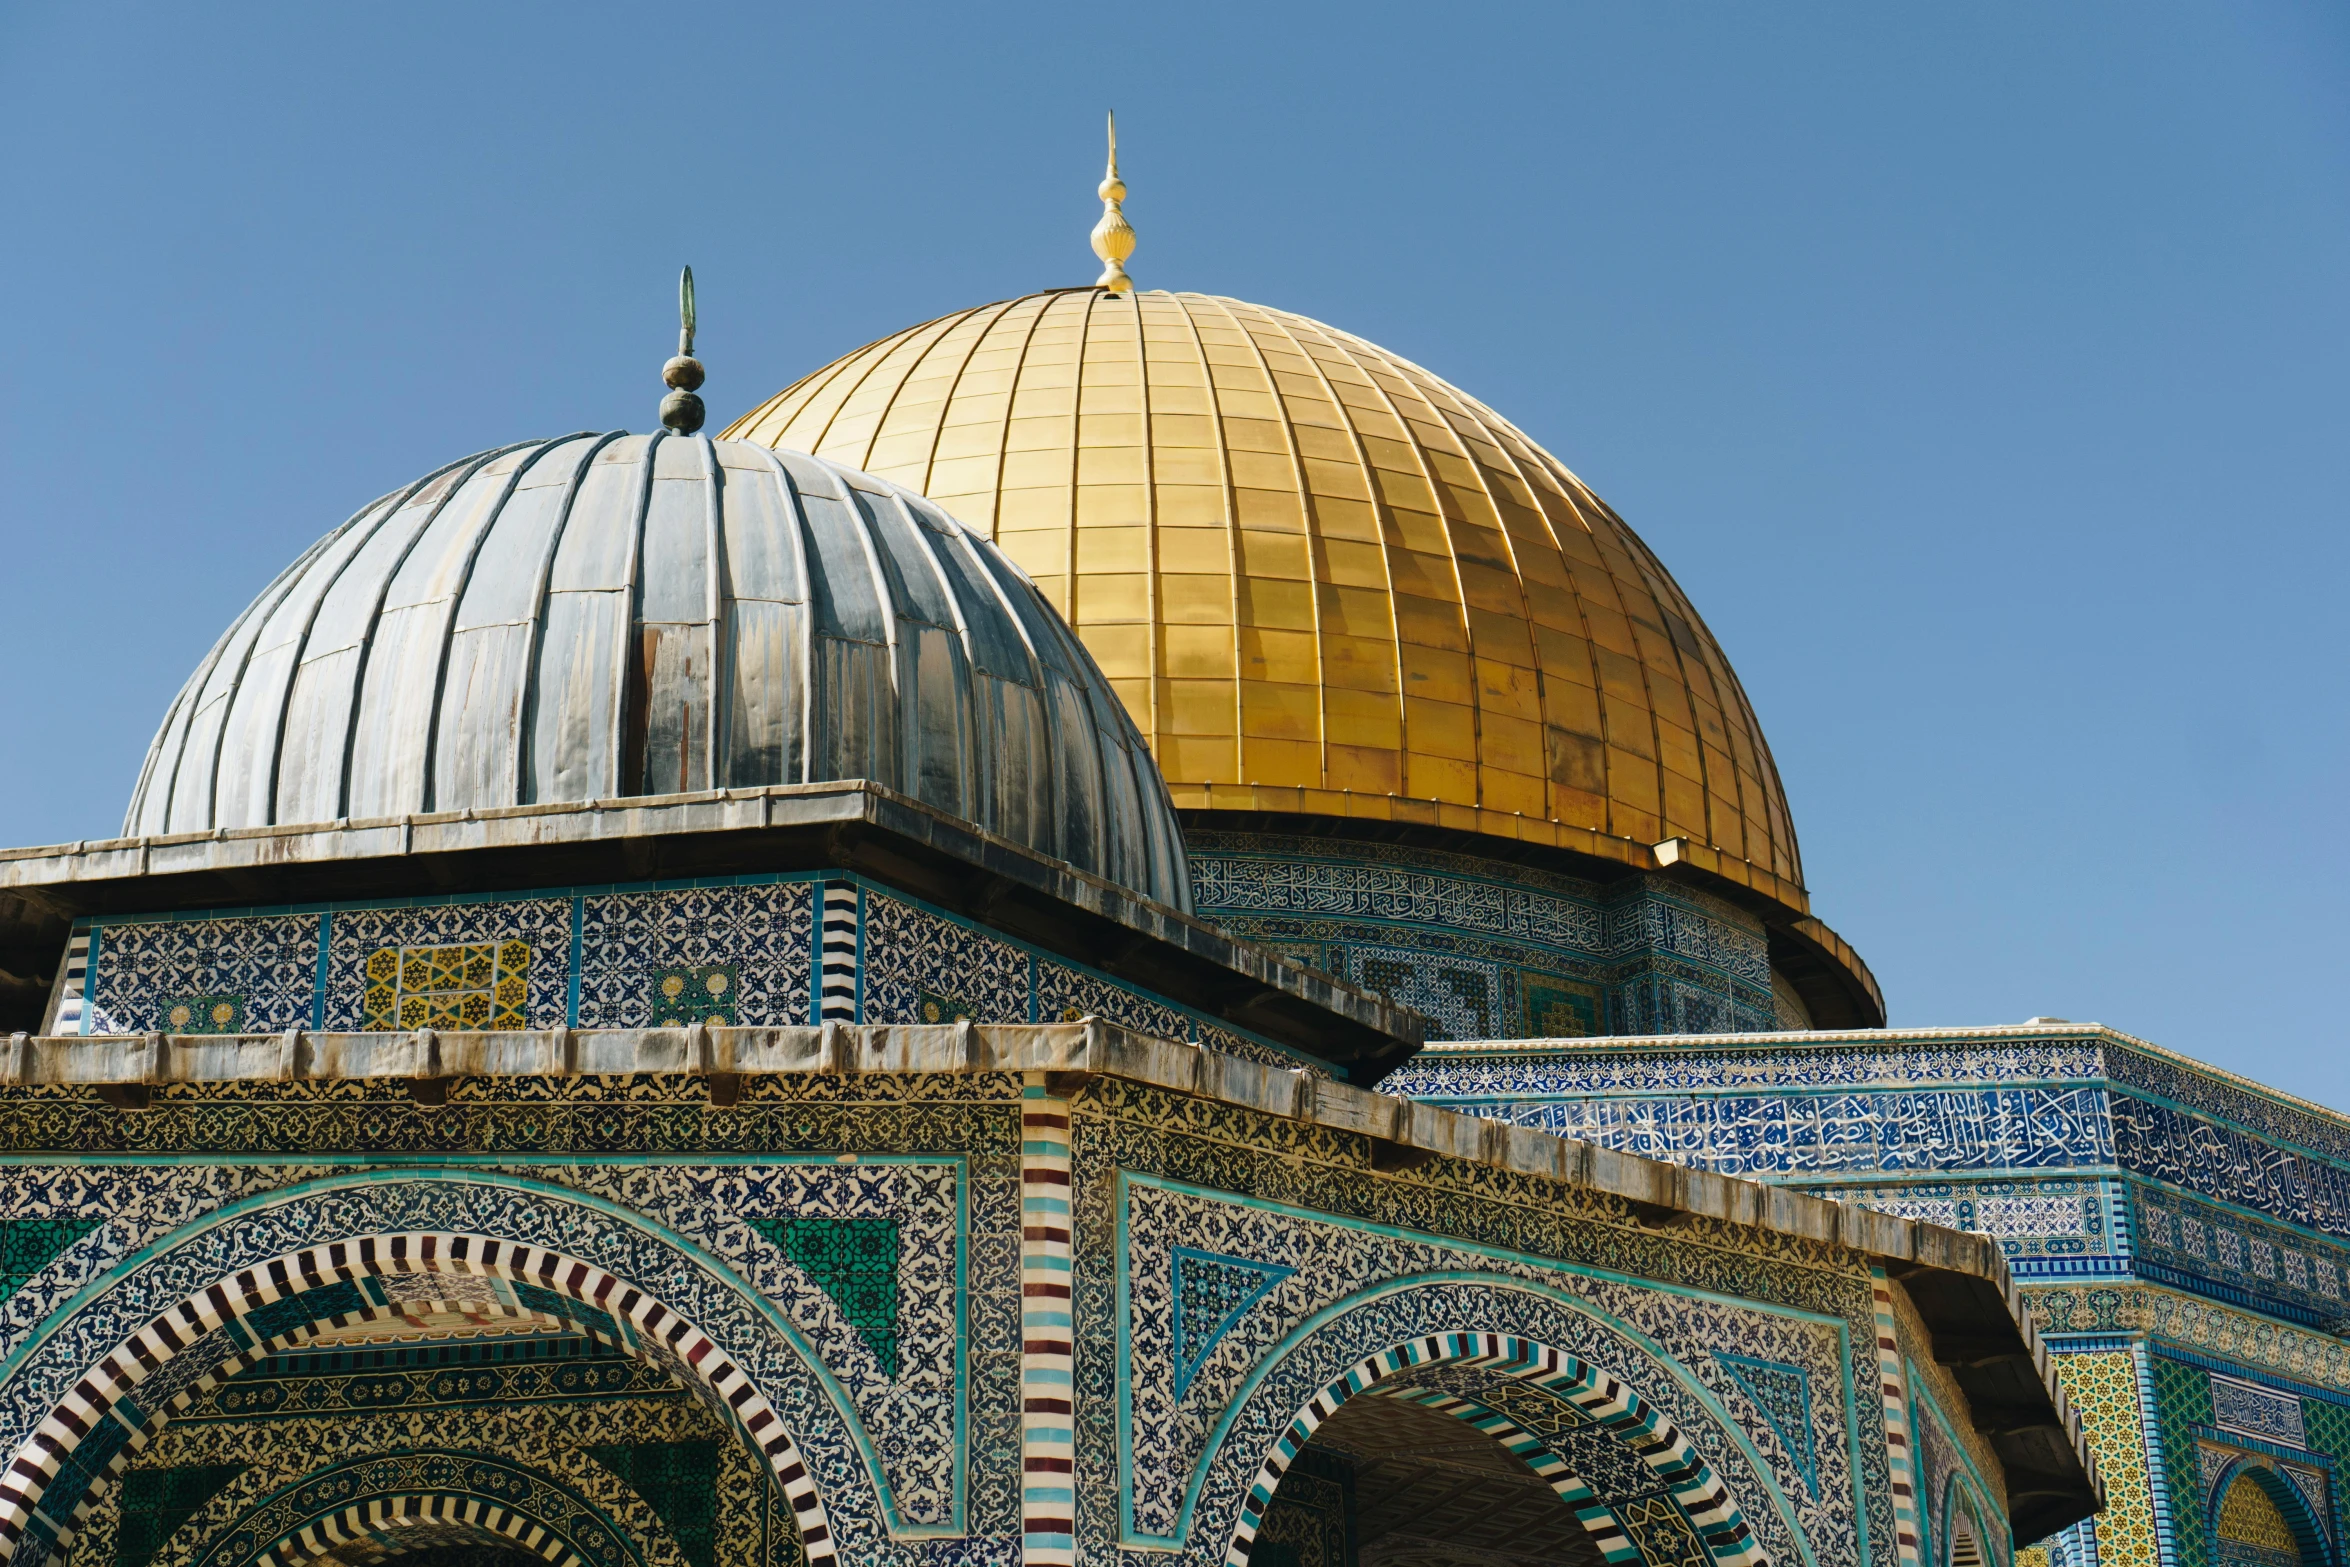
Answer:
x=607 y=615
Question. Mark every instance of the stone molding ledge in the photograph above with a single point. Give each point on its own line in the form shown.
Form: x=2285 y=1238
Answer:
x=1088 y=1047
x=1959 y=1283
x=853 y=827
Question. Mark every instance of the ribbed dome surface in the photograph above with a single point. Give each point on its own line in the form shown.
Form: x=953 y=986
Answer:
x=1323 y=579
x=608 y=615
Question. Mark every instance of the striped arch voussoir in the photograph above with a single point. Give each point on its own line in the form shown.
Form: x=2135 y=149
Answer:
x=97 y=1428
x=424 y=1518
x=1701 y=1496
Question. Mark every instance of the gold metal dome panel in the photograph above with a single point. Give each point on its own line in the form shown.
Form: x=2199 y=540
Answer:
x=1324 y=580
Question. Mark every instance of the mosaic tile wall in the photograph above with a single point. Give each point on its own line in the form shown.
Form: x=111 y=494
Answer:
x=578 y=1443
x=2230 y=1255
x=1489 y=950
x=2051 y=1227
x=791 y=1259
x=1223 y=1261
x=2188 y=1196
x=2223 y=1426
x=2182 y=1236
x=739 y=951
x=2104 y=1388
x=1226 y=1257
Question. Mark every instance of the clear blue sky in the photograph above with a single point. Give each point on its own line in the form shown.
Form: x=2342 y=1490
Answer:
x=1979 y=369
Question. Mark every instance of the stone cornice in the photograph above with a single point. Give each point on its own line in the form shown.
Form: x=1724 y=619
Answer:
x=1959 y=1283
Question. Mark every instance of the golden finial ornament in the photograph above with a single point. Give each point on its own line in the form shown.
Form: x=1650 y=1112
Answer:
x=1113 y=236
x=681 y=410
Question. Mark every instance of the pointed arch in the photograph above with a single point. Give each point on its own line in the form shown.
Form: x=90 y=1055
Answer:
x=2309 y=1536
x=1599 y=1396
x=460 y=1496
x=101 y=1378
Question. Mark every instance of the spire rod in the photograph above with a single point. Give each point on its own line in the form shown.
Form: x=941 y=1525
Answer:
x=681 y=410
x=1113 y=236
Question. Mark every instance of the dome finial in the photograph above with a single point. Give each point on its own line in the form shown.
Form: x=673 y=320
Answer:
x=1113 y=236
x=681 y=410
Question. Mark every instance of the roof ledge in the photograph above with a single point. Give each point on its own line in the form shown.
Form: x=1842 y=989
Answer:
x=1979 y=1325
x=849 y=826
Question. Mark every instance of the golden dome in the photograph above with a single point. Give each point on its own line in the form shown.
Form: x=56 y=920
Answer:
x=1325 y=581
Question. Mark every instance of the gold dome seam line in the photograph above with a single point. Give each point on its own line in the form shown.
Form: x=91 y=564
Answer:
x=810 y=387
x=914 y=350
x=1231 y=510
x=1297 y=472
x=1383 y=517
x=1717 y=781
x=1526 y=614
x=939 y=429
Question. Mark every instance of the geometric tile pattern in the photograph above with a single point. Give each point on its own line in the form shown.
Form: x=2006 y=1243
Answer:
x=700 y=993
x=1782 y=1394
x=29 y=1245
x=2103 y=1388
x=1067 y=994
x=678 y=1480
x=300 y=1469
x=155 y=1502
x=2224 y=1252
x=2031 y=1219
x=2249 y=1517
x=427 y=1499
x=839 y=981
x=73 y=988
x=1311 y=1523
x=908 y=950
x=743 y=951
x=1048 y=1440
x=869 y=1274
x=855 y=1261
x=1489 y=950
x=1196 y=1468
x=215 y=1014
x=243 y=1319
x=85 y=1437
x=510 y=958
x=267 y=966
x=753 y=938
x=474 y=986
x=1900 y=1442
x=1211 y=1292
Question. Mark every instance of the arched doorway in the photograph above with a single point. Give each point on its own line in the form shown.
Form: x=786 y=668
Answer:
x=2260 y=1520
x=1966 y=1538
x=1388 y=1482
x=1485 y=1448
x=102 y=1382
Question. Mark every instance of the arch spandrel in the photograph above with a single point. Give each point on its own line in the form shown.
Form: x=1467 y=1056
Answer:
x=710 y=1210
x=1354 y=1292
x=178 y=1317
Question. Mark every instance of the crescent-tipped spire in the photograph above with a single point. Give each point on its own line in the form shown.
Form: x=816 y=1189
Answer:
x=1113 y=236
